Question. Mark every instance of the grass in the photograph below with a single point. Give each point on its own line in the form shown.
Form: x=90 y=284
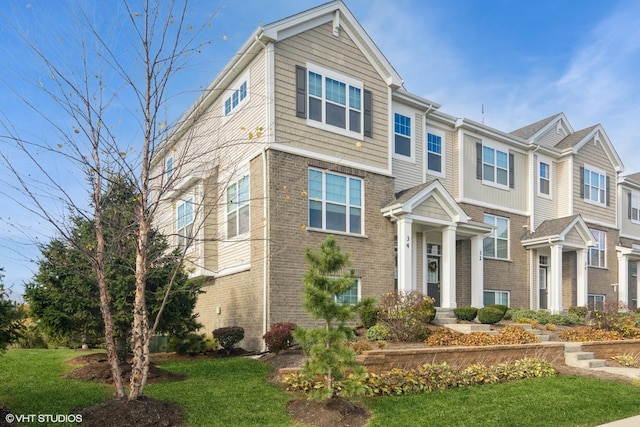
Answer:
x=235 y=392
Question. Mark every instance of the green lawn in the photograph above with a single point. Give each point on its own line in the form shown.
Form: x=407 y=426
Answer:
x=234 y=392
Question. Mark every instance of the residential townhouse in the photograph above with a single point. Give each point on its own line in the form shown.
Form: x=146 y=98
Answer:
x=309 y=131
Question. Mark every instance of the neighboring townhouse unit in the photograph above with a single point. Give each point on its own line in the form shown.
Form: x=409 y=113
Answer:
x=310 y=132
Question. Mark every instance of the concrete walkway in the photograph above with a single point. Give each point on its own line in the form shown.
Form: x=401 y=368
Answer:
x=627 y=372
x=627 y=422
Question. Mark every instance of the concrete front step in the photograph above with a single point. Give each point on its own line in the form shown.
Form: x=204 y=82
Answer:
x=574 y=356
x=466 y=328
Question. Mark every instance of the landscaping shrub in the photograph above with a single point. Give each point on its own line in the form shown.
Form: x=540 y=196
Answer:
x=440 y=376
x=503 y=308
x=490 y=315
x=191 y=344
x=279 y=337
x=578 y=311
x=551 y=327
x=628 y=360
x=228 y=337
x=625 y=324
x=466 y=313
x=518 y=313
x=406 y=314
x=589 y=333
x=526 y=320
x=359 y=346
x=368 y=312
x=378 y=332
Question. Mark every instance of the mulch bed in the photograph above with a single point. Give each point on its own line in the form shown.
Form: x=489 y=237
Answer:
x=95 y=367
x=144 y=412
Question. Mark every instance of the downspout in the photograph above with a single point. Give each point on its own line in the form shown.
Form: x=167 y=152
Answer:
x=531 y=193
x=424 y=161
x=265 y=187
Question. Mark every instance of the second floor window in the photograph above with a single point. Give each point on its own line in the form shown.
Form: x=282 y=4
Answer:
x=335 y=102
x=236 y=98
x=495 y=166
x=185 y=223
x=434 y=153
x=597 y=253
x=402 y=131
x=335 y=202
x=634 y=206
x=594 y=185
x=545 y=179
x=169 y=167
x=497 y=244
x=238 y=207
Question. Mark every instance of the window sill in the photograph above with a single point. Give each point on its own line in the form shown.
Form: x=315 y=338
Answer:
x=594 y=203
x=339 y=233
x=597 y=267
x=496 y=185
x=497 y=259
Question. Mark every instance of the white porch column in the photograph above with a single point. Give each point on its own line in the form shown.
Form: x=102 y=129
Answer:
x=405 y=257
x=477 y=271
x=448 y=272
x=582 y=277
x=555 y=280
x=623 y=280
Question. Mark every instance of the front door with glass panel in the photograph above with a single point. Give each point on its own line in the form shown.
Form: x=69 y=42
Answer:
x=433 y=272
x=542 y=281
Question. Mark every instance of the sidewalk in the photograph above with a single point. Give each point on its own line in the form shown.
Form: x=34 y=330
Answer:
x=631 y=373
x=627 y=422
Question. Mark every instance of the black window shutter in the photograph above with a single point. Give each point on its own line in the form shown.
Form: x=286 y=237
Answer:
x=629 y=207
x=301 y=92
x=511 y=171
x=581 y=182
x=478 y=160
x=608 y=195
x=368 y=108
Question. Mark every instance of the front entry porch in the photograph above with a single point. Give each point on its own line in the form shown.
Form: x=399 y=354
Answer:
x=429 y=223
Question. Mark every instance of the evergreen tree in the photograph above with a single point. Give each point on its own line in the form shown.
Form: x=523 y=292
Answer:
x=11 y=316
x=326 y=279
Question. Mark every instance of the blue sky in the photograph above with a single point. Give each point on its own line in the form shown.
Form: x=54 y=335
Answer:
x=522 y=60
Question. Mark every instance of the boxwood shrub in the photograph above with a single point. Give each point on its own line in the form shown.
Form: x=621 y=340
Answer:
x=228 y=336
x=465 y=313
x=490 y=315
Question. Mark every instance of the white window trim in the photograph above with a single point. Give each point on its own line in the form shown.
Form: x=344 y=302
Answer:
x=496 y=147
x=359 y=290
x=348 y=205
x=635 y=196
x=495 y=238
x=441 y=134
x=407 y=112
x=549 y=178
x=349 y=81
x=179 y=237
x=235 y=182
x=496 y=291
x=244 y=78
x=601 y=172
x=604 y=299
x=604 y=249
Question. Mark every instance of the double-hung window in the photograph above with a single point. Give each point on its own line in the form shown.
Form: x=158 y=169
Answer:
x=497 y=244
x=185 y=223
x=597 y=253
x=434 y=152
x=351 y=296
x=169 y=167
x=594 y=185
x=335 y=202
x=495 y=165
x=402 y=132
x=634 y=206
x=335 y=100
x=595 y=302
x=544 y=177
x=238 y=207
x=496 y=297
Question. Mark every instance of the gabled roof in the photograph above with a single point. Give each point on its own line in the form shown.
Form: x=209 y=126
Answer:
x=528 y=131
x=578 y=139
x=575 y=138
x=407 y=200
x=337 y=13
x=556 y=230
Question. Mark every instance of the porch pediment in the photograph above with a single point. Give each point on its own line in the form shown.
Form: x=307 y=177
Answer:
x=429 y=201
x=570 y=231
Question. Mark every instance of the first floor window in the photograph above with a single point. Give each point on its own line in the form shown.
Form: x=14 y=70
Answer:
x=434 y=152
x=238 y=207
x=497 y=244
x=185 y=223
x=597 y=252
x=335 y=202
x=595 y=302
x=496 y=297
x=351 y=296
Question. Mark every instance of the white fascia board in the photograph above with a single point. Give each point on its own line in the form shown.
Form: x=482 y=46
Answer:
x=415 y=101
x=490 y=132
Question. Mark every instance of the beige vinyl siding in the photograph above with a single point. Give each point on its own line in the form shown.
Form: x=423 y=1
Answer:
x=341 y=55
x=450 y=163
x=409 y=174
x=573 y=237
x=544 y=207
x=430 y=208
x=552 y=136
x=627 y=226
x=454 y=172
x=474 y=189
x=563 y=188
x=595 y=156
